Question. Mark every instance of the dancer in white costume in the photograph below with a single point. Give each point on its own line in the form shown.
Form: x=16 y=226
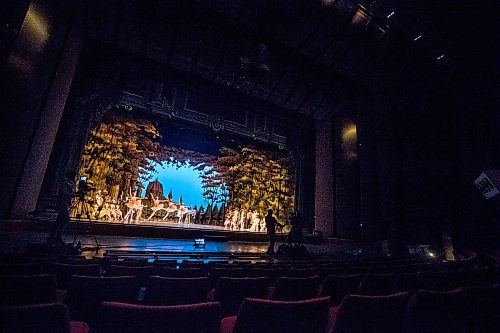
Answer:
x=181 y=212
x=134 y=212
x=227 y=222
x=171 y=208
x=234 y=220
x=243 y=216
x=116 y=212
x=98 y=205
x=106 y=212
x=157 y=206
x=255 y=222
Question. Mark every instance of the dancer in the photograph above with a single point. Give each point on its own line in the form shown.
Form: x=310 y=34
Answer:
x=157 y=206
x=134 y=206
x=171 y=208
x=255 y=222
x=98 y=205
x=181 y=212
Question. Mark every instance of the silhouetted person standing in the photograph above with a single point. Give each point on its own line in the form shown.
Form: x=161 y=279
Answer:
x=64 y=196
x=271 y=223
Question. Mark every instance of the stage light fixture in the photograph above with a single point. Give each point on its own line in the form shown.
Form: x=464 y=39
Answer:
x=417 y=38
x=391 y=14
x=440 y=57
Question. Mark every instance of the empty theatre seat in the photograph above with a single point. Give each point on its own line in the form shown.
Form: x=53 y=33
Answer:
x=124 y=318
x=86 y=293
x=141 y=272
x=181 y=272
x=302 y=272
x=216 y=273
x=27 y=289
x=175 y=291
x=338 y=286
x=64 y=272
x=272 y=273
x=231 y=292
x=482 y=309
x=21 y=269
x=39 y=318
x=326 y=270
x=411 y=282
x=436 y=311
x=359 y=314
x=378 y=284
x=264 y=316
x=294 y=289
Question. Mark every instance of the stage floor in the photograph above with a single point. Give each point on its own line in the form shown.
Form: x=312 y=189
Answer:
x=183 y=249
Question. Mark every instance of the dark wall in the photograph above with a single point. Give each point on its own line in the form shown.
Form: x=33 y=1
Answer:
x=25 y=81
x=422 y=144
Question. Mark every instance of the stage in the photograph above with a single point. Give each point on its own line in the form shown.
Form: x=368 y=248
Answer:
x=220 y=245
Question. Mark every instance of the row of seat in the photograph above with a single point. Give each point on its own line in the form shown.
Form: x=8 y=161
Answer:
x=85 y=292
x=461 y=310
x=425 y=279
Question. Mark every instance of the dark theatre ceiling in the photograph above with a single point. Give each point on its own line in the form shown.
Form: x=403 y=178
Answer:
x=312 y=57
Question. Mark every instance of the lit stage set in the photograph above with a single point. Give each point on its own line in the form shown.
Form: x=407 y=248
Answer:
x=132 y=174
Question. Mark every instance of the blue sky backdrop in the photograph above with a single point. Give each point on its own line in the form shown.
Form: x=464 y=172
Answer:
x=183 y=181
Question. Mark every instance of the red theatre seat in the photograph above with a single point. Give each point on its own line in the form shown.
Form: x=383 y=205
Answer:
x=193 y=318
x=265 y=316
x=175 y=291
x=295 y=289
x=359 y=314
x=436 y=311
x=39 y=318
x=231 y=292
x=27 y=289
x=86 y=294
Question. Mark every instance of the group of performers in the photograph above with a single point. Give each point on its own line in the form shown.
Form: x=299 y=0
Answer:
x=111 y=210
x=239 y=220
x=167 y=210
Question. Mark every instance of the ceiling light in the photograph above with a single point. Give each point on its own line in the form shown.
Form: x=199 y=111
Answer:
x=417 y=38
x=440 y=57
x=389 y=16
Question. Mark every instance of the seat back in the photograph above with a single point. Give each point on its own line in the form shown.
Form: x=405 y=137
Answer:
x=181 y=272
x=86 y=293
x=124 y=318
x=302 y=272
x=359 y=313
x=27 y=289
x=338 y=286
x=216 y=273
x=295 y=289
x=64 y=272
x=378 y=284
x=40 y=318
x=175 y=291
x=21 y=269
x=436 y=311
x=258 y=315
x=231 y=292
x=482 y=308
x=142 y=273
